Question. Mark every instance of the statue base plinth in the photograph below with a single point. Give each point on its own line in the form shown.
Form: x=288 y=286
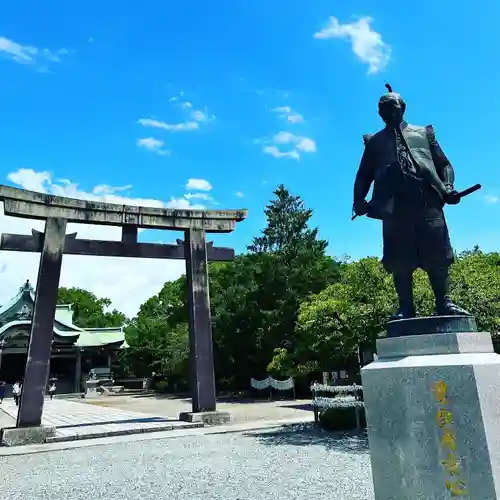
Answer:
x=431 y=324
x=432 y=412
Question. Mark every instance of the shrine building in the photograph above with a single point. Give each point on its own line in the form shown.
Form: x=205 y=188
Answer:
x=75 y=351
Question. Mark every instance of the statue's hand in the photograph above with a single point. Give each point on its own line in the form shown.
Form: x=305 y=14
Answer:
x=360 y=207
x=452 y=197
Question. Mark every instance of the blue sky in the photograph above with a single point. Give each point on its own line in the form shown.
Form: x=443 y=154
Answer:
x=245 y=95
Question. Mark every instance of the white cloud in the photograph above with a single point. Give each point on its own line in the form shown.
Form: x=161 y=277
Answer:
x=367 y=44
x=101 y=189
x=153 y=145
x=127 y=282
x=288 y=113
x=492 y=199
x=239 y=194
x=194 y=118
x=199 y=116
x=304 y=144
x=176 y=127
x=31 y=180
x=198 y=185
x=27 y=54
x=184 y=204
x=274 y=151
x=198 y=196
x=299 y=144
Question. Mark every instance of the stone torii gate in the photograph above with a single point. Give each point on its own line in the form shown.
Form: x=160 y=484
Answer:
x=57 y=211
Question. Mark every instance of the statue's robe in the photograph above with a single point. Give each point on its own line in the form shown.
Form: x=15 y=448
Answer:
x=411 y=176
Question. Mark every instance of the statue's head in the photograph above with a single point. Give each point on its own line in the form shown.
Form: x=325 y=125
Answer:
x=391 y=107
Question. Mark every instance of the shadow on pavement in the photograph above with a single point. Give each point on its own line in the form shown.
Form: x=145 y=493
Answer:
x=145 y=420
x=153 y=395
x=310 y=434
x=304 y=406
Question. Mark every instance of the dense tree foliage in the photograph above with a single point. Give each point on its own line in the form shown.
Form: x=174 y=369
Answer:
x=352 y=313
x=285 y=307
x=90 y=311
x=158 y=335
x=256 y=298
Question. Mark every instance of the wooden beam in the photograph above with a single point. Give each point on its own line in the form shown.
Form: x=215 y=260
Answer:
x=40 y=344
x=100 y=248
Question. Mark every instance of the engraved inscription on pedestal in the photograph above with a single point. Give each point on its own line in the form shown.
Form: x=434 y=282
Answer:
x=431 y=403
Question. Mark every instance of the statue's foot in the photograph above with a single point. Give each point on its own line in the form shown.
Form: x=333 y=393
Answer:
x=403 y=313
x=448 y=308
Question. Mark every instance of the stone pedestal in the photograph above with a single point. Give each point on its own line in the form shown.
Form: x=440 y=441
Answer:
x=207 y=417
x=92 y=388
x=17 y=436
x=432 y=406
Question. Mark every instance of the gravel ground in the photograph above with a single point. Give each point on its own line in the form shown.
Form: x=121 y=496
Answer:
x=297 y=462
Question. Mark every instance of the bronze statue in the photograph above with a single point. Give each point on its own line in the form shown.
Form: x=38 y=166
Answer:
x=413 y=180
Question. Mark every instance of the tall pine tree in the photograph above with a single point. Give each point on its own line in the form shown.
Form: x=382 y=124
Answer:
x=299 y=267
x=287 y=231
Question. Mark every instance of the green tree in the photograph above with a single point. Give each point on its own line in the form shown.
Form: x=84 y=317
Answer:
x=287 y=231
x=353 y=312
x=475 y=285
x=241 y=318
x=332 y=324
x=154 y=345
x=296 y=267
x=169 y=304
x=90 y=311
x=158 y=335
x=254 y=299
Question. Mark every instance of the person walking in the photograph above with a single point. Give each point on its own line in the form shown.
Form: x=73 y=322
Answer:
x=16 y=392
x=52 y=389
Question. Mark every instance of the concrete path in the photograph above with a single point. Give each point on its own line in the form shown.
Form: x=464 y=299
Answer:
x=5 y=419
x=241 y=410
x=74 y=420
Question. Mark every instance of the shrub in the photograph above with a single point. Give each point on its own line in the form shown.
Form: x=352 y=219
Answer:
x=341 y=419
x=161 y=386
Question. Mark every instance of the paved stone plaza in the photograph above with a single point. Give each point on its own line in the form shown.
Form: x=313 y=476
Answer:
x=75 y=420
x=297 y=464
x=241 y=410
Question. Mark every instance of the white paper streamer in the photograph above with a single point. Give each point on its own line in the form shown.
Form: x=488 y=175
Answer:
x=336 y=403
x=336 y=389
x=282 y=385
x=343 y=396
x=279 y=385
x=260 y=385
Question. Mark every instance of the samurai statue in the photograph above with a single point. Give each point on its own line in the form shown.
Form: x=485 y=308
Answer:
x=413 y=180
